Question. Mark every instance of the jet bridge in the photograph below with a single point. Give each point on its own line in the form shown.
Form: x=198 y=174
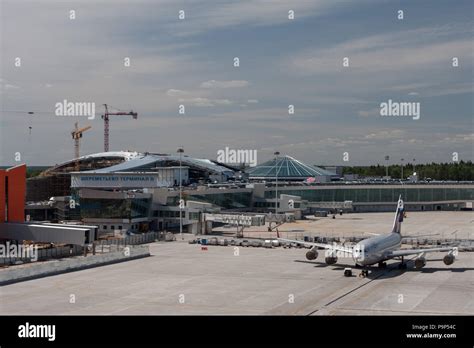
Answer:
x=238 y=220
x=276 y=220
x=241 y=221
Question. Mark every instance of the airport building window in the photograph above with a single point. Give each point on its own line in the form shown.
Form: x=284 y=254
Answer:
x=115 y=208
x=194 y=216
x=378 y=194
x=227 y=200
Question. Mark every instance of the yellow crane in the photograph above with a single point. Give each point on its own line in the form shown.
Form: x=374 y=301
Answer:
x=77 y=135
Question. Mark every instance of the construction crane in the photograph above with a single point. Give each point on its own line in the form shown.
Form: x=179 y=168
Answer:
x=106 y=123
x=76 y=135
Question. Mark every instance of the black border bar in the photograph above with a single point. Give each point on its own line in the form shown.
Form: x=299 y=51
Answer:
x=288 y=330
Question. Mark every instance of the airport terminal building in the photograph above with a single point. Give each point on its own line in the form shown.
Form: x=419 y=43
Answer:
x=139 y=192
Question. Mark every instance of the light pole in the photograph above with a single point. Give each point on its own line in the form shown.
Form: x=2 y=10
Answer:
x=180 y=151
x=402 y=168
x=276 y=185
x=386 y=166
x=414 y=169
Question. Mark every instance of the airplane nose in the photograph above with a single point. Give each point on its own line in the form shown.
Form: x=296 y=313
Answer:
x=358 y=255
x=357 y=252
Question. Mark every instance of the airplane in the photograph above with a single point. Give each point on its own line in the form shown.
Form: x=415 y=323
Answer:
x=376 y=249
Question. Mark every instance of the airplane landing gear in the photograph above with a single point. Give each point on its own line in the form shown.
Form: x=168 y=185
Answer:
x=364 y=273
x=402 y=265
x=382 y=265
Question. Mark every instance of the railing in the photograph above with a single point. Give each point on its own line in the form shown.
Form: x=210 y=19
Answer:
x=136 y=239
x=101 y=246
x=45 y=254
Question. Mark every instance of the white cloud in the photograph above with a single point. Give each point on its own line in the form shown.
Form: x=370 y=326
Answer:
x=224 y=84
x=205 y=102
x=410 y=86
x=386 y=134
x=433 y=89
x=460 y=138
x=175 y=92
x=217 y=15
x=5 y=85
x=9 y=86
x=222 y=101
x=456 y=88
x=252 y=101
x=371 y=112
x=402 y=51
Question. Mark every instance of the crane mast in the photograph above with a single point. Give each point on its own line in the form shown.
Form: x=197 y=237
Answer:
x=106 y=119
x=77 y=135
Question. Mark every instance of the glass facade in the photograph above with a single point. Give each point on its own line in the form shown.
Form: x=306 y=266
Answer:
x=228 y=200
x=169 y=213
x=115 y=208
x=379 y=194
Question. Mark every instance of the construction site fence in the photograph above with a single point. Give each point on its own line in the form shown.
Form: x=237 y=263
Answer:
x=136 y=239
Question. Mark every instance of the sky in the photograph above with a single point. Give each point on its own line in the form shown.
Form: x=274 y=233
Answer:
x=283 y=61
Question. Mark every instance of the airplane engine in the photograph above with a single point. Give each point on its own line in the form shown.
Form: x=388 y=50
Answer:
x=420 y=262
x=448 y=259
x=312 y=254
x=330 y=260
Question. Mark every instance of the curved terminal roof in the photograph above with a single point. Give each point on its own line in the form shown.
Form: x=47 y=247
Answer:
x=92 y=161
x=149 y=162
x=286 y=167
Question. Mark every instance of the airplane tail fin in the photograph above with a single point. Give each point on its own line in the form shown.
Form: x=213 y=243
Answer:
x=397 y=223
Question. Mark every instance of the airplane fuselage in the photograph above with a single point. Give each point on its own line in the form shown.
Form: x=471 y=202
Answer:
x=373 y=250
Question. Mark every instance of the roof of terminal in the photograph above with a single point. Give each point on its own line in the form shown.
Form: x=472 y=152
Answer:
x=286 y=167
x=147 y=162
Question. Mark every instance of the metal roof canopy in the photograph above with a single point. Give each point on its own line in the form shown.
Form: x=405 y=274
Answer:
x=152 y=161
x=286 y=167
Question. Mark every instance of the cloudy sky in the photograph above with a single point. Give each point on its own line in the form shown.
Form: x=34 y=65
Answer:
x=283 y=62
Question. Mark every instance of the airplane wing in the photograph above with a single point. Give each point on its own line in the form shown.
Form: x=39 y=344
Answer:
x=408 y=252
x=420 y=235
x=319 y=245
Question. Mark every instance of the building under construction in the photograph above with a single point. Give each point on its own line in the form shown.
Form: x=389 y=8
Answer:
x=56 y=181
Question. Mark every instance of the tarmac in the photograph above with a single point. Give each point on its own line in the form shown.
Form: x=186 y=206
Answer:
x=182 y=279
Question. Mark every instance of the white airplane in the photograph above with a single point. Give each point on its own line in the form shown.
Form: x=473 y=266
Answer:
x=377 y=249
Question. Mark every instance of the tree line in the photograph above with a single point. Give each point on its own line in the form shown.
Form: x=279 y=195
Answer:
x=459 y=171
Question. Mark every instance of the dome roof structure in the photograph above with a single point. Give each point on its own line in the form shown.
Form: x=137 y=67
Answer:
x=286 y=168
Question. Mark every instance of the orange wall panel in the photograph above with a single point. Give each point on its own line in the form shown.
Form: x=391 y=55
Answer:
x=16 y=193
x=2 y=195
